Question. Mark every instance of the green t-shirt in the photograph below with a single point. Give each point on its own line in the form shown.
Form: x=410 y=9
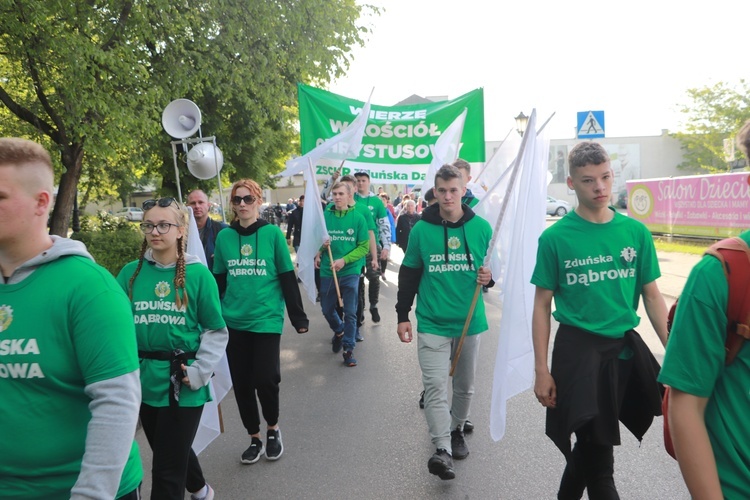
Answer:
x=253 y=300
x=597 y=271
x=366 y=213
x=445 y=291
x=694 y=363
x=63 y=327
x=161 y=326
x=379 y=214
x=349 y=239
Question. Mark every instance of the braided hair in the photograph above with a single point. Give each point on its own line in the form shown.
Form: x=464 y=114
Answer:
x=181 y=218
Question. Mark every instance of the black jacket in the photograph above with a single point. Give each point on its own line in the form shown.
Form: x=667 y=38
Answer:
x=403 y=228
x=294 y=225
x=589 y=376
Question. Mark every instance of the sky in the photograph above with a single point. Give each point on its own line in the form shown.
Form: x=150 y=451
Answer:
x=634 y=60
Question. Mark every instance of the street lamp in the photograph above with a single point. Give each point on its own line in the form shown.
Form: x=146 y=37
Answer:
x=521 y=122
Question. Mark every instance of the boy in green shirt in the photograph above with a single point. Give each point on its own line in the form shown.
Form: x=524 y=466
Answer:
x=596 y=263
x=708 y=400
x=442 y=263
x=349 y=243
x=70 y=389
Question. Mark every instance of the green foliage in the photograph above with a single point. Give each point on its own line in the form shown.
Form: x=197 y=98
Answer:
x=112 y=241
x=714 y=114
x=92 y=78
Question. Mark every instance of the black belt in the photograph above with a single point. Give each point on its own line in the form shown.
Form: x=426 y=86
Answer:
x=176 y=358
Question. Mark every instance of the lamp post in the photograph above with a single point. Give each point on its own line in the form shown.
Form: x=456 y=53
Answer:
x=521 y=122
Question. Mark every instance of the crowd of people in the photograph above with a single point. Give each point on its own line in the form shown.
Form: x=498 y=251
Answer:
x=144 y=345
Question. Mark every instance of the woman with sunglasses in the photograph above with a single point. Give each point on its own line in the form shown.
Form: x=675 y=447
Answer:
x=256 y=278
x=181 y=337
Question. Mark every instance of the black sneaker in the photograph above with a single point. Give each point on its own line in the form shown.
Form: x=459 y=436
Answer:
x=441 y=464
x=253 y=453
x=375 y=315
x=349 y=359
x=458 y=445
x=468 y=427
x=336 y=341
x=274 y=446
x=421 y=401
x=359 y=337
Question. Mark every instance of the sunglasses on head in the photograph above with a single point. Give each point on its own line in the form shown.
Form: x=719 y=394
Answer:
x=248 y=199
x=162 y=202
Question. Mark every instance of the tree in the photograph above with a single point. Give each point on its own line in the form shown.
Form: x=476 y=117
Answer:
x=715 y=114
x=93 y=77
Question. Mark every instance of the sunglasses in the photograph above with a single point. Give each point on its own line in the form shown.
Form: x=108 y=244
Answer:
x=248 y=199
x=162 y=202
x=161 y=228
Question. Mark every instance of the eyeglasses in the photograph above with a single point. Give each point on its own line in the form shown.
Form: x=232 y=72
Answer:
x=162 y=202
x=161 y=228
x=248 y=199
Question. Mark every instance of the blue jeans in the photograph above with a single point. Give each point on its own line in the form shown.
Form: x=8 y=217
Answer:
x=349 y=286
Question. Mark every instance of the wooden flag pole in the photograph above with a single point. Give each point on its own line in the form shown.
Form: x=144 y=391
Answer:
x=493 y=240
x=335 y=279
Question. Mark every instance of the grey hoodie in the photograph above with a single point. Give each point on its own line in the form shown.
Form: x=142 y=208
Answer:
x=114 y=403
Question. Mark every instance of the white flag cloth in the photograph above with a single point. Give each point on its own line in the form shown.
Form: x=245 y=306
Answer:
x=445 y=150
x=523 y=222
x=345 y=145
x=313 y=233
x=498 y=163
x=220 y=384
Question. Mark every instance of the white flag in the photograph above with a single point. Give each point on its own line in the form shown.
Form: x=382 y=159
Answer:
x=345 y=145
x=445 y=150
x=523 y=222
x=313 y=233
x=219 y=385
x=498 y=163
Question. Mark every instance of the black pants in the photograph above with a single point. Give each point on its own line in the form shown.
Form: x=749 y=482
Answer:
x=255 y=368
x=133 y=495
x=591 y=465
x=170 y=433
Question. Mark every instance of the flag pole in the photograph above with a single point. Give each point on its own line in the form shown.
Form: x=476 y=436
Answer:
x=493 y=242
x=335 y=279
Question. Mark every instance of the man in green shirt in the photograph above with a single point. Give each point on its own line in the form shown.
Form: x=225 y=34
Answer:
x=597 y=264
x=68 y=355
x=373 y=202
x=708 y=410
x=441 y=267
x=464 y=167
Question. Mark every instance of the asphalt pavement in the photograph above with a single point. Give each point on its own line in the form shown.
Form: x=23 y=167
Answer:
x=359 y=433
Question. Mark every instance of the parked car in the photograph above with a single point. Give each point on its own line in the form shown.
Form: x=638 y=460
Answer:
x=557 y=207
x=130 y=213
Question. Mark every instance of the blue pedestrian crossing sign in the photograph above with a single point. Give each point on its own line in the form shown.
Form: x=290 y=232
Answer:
x=590 y=124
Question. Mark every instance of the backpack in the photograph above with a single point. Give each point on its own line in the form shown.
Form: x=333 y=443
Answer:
x=734 y=255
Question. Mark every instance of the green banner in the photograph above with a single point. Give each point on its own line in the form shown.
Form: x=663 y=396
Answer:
x=398 y=142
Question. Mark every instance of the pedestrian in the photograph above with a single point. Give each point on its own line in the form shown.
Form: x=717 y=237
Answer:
x=405 y=224
x=372 y=228
x=69 y=411
x=349 y=243
x=181 y=338
x=465 y=168
x=601 y=369
x=208 y=228
x=708 y=397
x=391 y=213
x=294 y=224
x=256 y=280
x=442 y=261
x=383 y=238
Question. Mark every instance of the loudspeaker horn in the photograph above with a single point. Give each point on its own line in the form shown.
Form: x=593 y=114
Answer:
x=200 y=160
x=181 y=118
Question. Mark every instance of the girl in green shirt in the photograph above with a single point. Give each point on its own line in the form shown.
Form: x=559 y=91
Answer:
x=181 y=337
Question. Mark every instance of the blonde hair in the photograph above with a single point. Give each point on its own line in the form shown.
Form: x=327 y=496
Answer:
x=181 y=217
x=22 y=154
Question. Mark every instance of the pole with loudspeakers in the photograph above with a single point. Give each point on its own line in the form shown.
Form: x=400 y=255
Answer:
x=181 y=119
